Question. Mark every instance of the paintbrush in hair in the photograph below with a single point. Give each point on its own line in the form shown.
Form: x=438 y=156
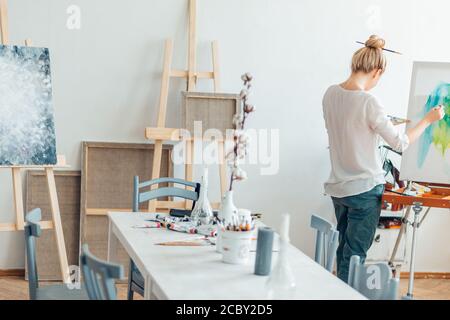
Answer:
x=388 y=50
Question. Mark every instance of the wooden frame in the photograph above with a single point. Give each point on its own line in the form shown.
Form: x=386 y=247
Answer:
x=100 y=159
x=4 y=22
x=214 y=110
x=68 y=184
x=16 y=171
x=107 y=185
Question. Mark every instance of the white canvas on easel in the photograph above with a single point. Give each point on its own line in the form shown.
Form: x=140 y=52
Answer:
x=428 y=159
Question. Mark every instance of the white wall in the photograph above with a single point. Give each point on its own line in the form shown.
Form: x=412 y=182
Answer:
x=106 y=80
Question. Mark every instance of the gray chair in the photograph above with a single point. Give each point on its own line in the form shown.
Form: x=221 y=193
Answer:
x=327 y=241
x=52 y=292
x=374 y=281
x=136 y=281
x=99 y=276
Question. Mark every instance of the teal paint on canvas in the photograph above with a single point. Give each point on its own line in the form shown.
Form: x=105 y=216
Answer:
x=438 y=134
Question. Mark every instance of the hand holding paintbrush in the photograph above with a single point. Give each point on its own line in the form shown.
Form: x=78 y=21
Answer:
x=435 y=114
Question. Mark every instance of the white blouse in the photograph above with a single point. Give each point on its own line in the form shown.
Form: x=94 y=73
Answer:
x=355 y=121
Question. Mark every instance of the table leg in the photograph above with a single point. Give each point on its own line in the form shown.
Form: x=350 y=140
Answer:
x=148 y=288
x=112 y=244
x=417 y=209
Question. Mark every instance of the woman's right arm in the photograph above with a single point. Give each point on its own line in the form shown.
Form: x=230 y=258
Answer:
x=380 y=123
x=435 y=114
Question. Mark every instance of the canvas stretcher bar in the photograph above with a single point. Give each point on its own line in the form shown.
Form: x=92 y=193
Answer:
x=4 y=22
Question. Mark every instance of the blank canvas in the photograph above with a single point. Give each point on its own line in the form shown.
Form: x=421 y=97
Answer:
x=428 y=159
x=68 y=184
x=211 y=110
x=107 y=175
x=27 y=130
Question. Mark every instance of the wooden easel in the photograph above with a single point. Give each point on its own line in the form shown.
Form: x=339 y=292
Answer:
x=439 y=197
x=160 y=133
x=17 y=181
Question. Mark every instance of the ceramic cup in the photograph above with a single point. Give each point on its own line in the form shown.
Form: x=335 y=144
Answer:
x=236 y=246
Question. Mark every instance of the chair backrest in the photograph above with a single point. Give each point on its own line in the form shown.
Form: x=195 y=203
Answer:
x=99 y=276
x=139 y=197
x=32 y=231
x=327 y=241
x=374 y=281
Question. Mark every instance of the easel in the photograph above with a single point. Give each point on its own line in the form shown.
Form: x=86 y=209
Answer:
x=161 y=133
x=439 y=197
x=17 y=181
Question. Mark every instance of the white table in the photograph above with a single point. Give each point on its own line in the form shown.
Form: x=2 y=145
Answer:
x=181 y=273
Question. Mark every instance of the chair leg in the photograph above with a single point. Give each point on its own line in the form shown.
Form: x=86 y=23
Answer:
x=130 y=293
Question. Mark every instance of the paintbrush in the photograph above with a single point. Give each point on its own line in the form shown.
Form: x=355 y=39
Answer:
x=189 y=242
x=399 y=193
x=397 y=121
x=388 y=50
x=182 y=244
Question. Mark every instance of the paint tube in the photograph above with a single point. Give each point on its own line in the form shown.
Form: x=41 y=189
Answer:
x=148 y=225
x=169 y=219
x=207 y=230
x=187 y=228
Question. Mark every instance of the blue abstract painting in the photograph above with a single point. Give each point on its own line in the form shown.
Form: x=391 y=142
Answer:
x=428 y=158
x=27 y=129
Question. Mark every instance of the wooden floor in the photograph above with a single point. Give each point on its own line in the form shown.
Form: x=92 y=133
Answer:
x=14 y=288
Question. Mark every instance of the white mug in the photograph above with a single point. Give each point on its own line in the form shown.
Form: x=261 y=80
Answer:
x=236 y=246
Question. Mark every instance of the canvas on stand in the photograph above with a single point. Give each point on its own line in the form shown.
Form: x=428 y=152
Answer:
x=27 y=130
x=428 y=159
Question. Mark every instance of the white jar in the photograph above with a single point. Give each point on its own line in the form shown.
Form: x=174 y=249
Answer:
x=236 y=246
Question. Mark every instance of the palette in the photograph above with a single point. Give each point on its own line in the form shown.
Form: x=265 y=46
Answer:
x=439 y=197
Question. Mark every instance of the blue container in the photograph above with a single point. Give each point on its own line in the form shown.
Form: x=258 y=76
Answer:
x=264 y=248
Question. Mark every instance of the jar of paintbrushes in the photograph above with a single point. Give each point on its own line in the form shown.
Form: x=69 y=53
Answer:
x=236 y=241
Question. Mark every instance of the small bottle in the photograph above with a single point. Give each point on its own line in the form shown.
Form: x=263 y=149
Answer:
x=202 y=213
x=281 y=283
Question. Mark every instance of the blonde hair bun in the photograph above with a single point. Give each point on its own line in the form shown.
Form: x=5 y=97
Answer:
x=375 y=42
x=370 y=57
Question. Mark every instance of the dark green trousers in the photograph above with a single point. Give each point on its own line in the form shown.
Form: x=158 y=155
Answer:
x=357 y=219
